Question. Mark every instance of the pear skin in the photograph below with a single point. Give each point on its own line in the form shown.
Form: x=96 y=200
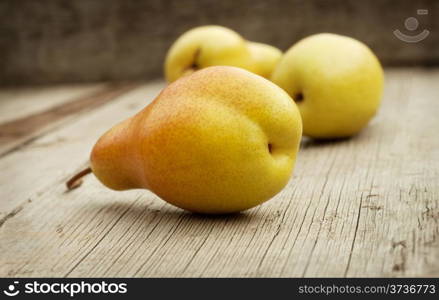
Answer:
x=220 y=140
x=265 y=57
x=337 y=82
x=206 y=46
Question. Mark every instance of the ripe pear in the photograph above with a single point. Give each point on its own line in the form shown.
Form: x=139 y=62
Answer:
x=336 y=81
x=213 y=45
x=220 y=140
x=265 y=56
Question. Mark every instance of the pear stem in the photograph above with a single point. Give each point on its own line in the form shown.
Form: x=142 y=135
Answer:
x=76 y=180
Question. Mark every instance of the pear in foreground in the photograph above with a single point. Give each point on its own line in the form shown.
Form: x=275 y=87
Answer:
x=336 y=81
x=221 y=140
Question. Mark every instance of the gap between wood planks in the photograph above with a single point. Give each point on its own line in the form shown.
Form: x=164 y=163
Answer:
x=67 y=140
x=20 y=132
x=16 y=133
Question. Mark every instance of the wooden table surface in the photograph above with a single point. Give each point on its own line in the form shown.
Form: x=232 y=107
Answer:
x=367 y=206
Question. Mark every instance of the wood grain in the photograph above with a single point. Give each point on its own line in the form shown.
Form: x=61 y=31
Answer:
x=18 y=131
x=18 y=102
x=366 y=206
x=54 y=156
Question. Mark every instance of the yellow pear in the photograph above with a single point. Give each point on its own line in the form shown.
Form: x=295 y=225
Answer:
x=336 y=81
x=220 y=140
x=265 y=58
x=206 y=46
x=213 y=45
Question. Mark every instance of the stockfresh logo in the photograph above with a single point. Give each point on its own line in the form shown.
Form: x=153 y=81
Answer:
x=411 y=24
x=12 y=289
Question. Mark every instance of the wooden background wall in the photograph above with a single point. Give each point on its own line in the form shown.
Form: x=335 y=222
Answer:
x=49 y=41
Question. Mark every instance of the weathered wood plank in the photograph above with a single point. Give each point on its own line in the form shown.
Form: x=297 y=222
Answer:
x=28 y=171
x=367 y=206
x=19 y=102
x=403 y=208
x=19 y=131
